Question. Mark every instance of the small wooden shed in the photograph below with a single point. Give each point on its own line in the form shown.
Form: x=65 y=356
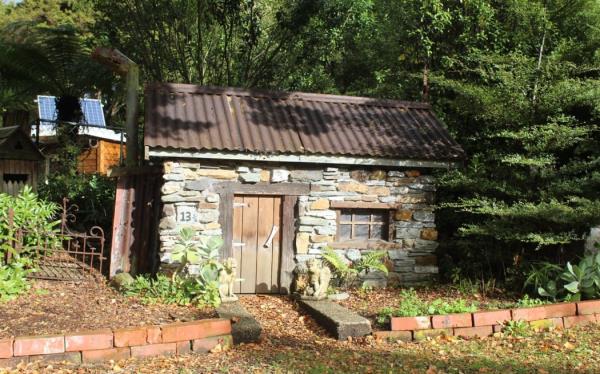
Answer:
x=20 y=160
x=282 y=175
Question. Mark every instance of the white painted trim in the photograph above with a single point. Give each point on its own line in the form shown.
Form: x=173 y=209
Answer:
x=291 y=158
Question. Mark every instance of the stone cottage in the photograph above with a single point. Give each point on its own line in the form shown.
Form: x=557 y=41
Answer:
x=281 y=175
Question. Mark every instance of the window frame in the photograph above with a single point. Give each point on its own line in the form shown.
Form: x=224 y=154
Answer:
x=388 y=214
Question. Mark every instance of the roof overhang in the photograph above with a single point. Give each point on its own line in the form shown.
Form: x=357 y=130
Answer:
x=295 y=158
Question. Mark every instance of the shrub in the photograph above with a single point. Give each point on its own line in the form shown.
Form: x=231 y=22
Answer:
x=34 y=216
x=93 y=194
x=13 y=280
x=574 y=282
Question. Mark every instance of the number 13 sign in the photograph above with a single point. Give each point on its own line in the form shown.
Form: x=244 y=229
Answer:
x=186 y=214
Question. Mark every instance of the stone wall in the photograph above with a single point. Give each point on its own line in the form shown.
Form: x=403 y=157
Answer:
x=187 y=194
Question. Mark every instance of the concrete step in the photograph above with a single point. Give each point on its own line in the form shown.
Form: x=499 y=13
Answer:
x=336 y=319
x=244 y=327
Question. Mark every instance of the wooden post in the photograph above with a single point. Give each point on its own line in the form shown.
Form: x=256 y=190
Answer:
x=122 y=65
x=132 y=82
x=287 y=244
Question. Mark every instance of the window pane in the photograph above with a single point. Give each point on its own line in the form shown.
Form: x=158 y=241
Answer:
x=346 y=215
x=361 y=231
x=345 y=232
x=380 y=215
x=362 y=216
x=378 y=232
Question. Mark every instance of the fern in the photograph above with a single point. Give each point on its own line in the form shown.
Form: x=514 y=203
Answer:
x=338 y=265
x=372 y=261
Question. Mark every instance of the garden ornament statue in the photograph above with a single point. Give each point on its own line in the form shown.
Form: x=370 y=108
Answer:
x=227 y=278
x=318 y=278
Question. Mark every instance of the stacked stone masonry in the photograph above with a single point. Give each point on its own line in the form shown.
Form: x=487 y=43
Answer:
x=188 y=190
x=485 y=323
x=102 y=345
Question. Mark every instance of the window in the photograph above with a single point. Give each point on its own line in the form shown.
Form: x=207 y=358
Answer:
x=363 y=224
x=15 y=178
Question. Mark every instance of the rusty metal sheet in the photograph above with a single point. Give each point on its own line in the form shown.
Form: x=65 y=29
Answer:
x=200 y=118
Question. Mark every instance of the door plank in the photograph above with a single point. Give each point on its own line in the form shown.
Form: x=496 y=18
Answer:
x=250 y=238
x=237 y=238
x=264 y=255
x=276 y=248
x=226 y=221
x=287 y=243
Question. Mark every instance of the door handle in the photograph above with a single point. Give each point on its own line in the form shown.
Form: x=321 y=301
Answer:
x=269 y=241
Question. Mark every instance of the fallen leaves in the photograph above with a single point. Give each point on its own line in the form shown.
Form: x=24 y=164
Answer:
x=66 y=307
x=292 y=342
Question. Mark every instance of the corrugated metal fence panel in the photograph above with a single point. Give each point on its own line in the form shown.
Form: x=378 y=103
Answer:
x=135 y=226
x=205 y=118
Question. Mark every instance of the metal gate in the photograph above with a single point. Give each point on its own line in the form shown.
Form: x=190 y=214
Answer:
x=66 y=256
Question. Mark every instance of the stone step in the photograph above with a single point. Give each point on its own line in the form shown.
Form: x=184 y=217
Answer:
x=244 y=327
x=336 y=319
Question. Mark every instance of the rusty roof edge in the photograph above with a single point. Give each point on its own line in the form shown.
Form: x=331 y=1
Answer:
x=283 y=95
x=164 y=152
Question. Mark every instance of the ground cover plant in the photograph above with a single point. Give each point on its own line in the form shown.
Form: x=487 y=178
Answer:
x=194 y=280
x=412 y=305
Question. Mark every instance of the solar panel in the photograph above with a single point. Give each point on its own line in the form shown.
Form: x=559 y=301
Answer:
x=92 y=111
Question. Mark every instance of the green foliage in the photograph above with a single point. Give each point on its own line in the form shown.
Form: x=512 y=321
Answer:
x=412 y=305
x=348 y=272
x=526 y=302
x=34 y=216
x=158 y=290
x=526 y=114
x=94 y=195
x=371 y=261
x=574 y=282
x=180 y=290
x=342 y=269
x=13 y=281
x=184 y=287
x=518 y=328
x=468 y=286
x=203 y=253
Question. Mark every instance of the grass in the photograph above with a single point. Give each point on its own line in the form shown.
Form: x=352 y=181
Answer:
x=543 y=352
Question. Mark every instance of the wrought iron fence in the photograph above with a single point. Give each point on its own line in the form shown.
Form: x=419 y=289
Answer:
x=66 y=255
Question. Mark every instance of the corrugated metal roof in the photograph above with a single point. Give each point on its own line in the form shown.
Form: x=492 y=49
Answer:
x=189 y=117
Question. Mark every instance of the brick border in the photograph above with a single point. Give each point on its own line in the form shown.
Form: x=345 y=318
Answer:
x=485 y=323
x=105 y=344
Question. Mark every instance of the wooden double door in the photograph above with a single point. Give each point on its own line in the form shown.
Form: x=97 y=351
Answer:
x=256 y=243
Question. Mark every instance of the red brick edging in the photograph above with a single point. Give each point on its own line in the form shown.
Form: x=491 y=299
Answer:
x=485 y=323
x=106 y=344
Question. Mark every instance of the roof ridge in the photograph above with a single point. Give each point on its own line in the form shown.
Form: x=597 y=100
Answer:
x=285 y=95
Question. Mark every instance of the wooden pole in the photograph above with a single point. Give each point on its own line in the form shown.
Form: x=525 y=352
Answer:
x=122 y=65
x=133 y=77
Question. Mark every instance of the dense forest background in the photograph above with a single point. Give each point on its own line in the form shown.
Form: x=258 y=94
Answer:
x=515 y=81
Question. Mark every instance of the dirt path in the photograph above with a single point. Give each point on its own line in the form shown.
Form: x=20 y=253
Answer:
x=283 y=322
